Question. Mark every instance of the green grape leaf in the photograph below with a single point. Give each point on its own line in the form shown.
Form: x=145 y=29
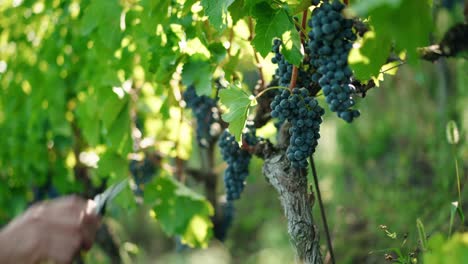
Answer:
x=112 y=165
x=237 y=102
x=217 y=12
x=125 y=200
x=407 y=34
x=291 y=47
x=237 y=11
x=271 y=24
x=89 y=121
x=218 y=52
x=198 y=71
x=119 y=135
x=367 y=58
x=251 y=5
x=180 y=211
x=154 y=13
x=105 y=16
x=231 y=66
x=114 y=100
x=362 y=8
x=89 y=21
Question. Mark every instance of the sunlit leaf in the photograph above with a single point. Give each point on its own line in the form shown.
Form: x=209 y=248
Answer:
x=216 y=10
x=180 y=211
x=270 y=24
x=237 y=102
x=198 y=72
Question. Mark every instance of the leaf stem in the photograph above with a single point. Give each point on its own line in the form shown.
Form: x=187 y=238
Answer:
x=393 y=67
x=295 y=69
x=269 y=89
x=322 y=210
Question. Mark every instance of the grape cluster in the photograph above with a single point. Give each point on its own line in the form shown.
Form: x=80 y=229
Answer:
x=142 y=172
x=238 y=164
x=305 y=115
x=222 y=226
x=206 y=114
x=284 y=70
x=330 y=41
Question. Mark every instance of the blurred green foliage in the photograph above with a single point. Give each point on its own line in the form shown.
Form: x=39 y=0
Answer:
x=69 y=73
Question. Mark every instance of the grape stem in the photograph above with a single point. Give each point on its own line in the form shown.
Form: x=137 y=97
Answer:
x=269 y=89
x=322 y=210
x=301 y=30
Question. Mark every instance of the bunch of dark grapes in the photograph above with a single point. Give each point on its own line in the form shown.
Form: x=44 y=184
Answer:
x=305 y=115
x=284 y=70
x=330 y=41
x=206 y=114
x=221 y=227
x=142 y=172
x=238 y=162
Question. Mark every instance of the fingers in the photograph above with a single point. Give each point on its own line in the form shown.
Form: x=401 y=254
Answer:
x=69 y=225
x=66 y=211
x=89 y=225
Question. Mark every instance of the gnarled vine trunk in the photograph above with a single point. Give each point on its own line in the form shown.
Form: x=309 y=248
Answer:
x=292 y=189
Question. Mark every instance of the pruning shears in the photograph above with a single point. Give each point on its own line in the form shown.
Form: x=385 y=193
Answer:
x=108 y=195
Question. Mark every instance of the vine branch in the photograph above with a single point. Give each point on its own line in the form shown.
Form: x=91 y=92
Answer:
x=291 y=186
x=322 y=210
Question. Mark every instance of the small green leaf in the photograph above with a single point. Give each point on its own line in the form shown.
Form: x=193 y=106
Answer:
x=237 y=102
x=197 y=71
x=271 y=24
x=217 y=12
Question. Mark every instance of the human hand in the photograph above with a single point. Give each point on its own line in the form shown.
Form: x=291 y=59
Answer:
x=53 y=230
